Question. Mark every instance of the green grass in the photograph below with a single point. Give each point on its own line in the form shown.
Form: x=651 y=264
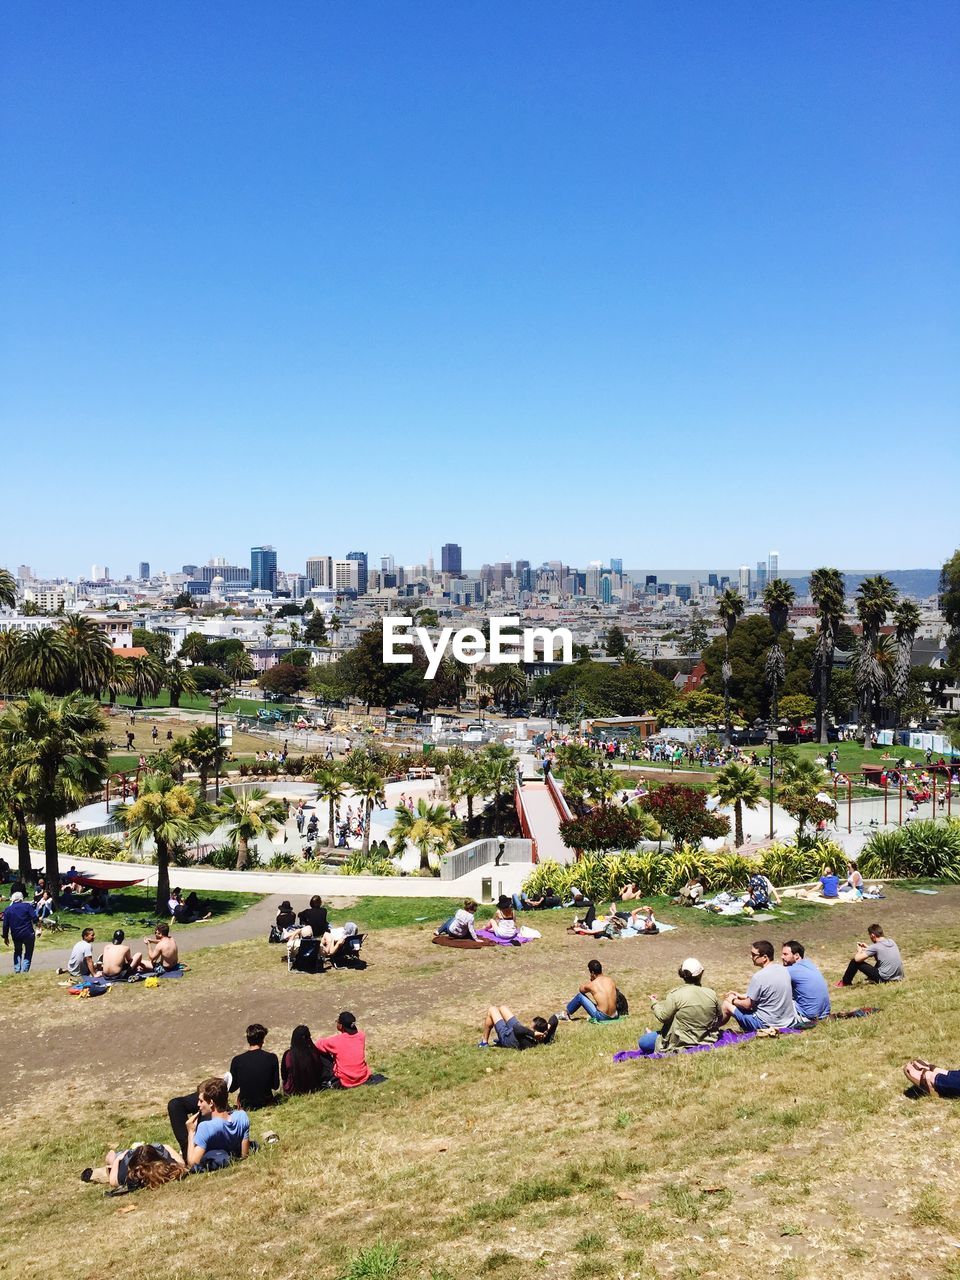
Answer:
x=201 y=702
x=395 y=913
x=132 y=909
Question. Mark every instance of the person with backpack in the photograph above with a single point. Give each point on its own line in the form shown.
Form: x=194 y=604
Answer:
x=598 y=997
x=216 y=1134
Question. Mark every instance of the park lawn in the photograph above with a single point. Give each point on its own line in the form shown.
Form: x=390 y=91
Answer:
x=798 y=1158
x=133 y=909
x=201 y=702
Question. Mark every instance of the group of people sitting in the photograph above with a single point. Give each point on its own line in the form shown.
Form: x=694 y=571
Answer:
x=294 y=928
x=118 y=960
x=210 y=1133
x=186 y=910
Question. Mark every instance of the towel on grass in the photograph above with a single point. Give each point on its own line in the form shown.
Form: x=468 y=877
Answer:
x=489 y=936
x=465 y=944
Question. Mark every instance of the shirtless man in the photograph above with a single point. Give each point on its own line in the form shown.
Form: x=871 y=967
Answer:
x=117 y=961
x=161 y=952
x=598 y=997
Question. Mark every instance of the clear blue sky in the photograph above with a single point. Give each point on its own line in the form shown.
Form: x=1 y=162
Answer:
x=677 y=283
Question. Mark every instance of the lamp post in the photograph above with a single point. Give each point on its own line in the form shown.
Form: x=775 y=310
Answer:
x=216 y=703
x=772 y=740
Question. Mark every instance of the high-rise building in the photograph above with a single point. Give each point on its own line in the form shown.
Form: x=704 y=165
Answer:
x=189 y=569
x=388 y=564
x=713 y=580
x=99 y=572
x=761 y=579
x=606 y=589
x=592 y=583
x=263 y=568
x=361 y=559
x=451 y=559
x=144 y=573
x=616 y=565
x=773 y=566
x=319 y=571
x=346 y=575
x=743 y=582
x=650 y=585
x=523 y=575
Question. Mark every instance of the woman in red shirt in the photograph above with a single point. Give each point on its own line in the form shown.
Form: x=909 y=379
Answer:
x=348 y=1050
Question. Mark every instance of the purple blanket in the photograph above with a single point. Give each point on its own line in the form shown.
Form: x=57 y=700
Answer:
x=490 y=936
x=725 y=1038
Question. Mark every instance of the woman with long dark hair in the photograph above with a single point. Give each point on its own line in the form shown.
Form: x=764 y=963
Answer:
x=303 y=1068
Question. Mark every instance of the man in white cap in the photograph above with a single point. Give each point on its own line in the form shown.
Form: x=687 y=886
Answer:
x=691 y=1014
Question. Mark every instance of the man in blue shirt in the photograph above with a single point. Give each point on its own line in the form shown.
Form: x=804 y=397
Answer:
x=217 y=1128
x=18 y=921
x=811 y=994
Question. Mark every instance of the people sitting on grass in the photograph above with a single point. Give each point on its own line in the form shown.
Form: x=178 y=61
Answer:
x=597 y=997
x=811 y=995
x=829 y=883
x=584 y=904
x=145 y=1165
x=768 y=1000
x=286 y=921
x=629 y=892
x=504 y=923
x=546 y=902
x=162 y=954
x=879 y=960
x=512 y=1034
x=117 y=960
x=80 y=964
x=332 y=942
x=45 y=906
x=760 y=892
x=187 y=911
x=690 y=894
x=689 y=1014
x=315 y=915
x=348 y=1050
x=217 y=1134
x=461 y=924
x=942 y=1082
x=255 y=1073
x=854 y=882
x=303 y=1068
x=19 y=919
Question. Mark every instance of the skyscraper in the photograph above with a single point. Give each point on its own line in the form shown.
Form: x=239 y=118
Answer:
x=451 y=558
x=773 y=566
x=743 y=583
x=606 y=589
x=761 y=582
x=387 y=564
x=263 y=568
x=319 y=571
x=361 y=558
x=616 y=565
x=144 y=573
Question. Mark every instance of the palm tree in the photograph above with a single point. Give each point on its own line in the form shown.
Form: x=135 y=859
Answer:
x=90 y=653
x=119 y=678
x=455 y=676
x=509 y=684
x=431 y=828
x=778 y=596
x=827 y=593
x=330 y=788
x=603 y=786
x=41 y=660
x=169 y=813
x=873 y=670
x=249 y=816
x=738 y=784
x=802 y=781
x=9 y=642
x=206 y=751
x=59 y=757
x=239 y=666
x=194 y=647
x=8 y=589
x=147 y=676
x=366 y=782
x=906 y=617
x=15 y=801
x=876 y=597
x=578 y=781
x=467 y=782
x=178 y=681
x=497 y=771
x=730 y=608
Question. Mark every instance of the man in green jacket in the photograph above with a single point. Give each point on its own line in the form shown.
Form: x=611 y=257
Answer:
x=691 y=1014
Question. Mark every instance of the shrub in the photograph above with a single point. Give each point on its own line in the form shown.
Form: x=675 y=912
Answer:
x=920 y=849
x=603 y=828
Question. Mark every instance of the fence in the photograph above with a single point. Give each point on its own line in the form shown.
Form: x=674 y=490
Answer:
x=481 y=852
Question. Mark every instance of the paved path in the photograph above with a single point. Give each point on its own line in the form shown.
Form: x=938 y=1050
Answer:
x=254 y=923
x=544 y=823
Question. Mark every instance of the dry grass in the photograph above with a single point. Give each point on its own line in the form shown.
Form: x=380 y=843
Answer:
x=792 y=1158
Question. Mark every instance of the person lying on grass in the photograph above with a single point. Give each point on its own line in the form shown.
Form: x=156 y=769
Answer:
x=216 y=1127
x=331 y=943
x=690 y=1014
x=144 y=1165
x=511 y=1033
x=942 y=1082
x=597 y=997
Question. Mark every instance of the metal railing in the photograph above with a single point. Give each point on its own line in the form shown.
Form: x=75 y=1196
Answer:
x=481 y=852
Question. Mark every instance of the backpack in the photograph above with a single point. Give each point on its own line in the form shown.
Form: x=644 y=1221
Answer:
x=275 y=935
x=623 y=1007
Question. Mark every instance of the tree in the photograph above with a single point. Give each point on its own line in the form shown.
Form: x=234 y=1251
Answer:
x=59 y=757
x=827 y=593
x=330 y=786
x=209 y=679
x=249 y=816
x=509 y=685
x=315 y=631
x=738 y=785
x=90 y=654
x=949 y=595
x=363 y=672
x=498 y=774
x=156 y=642
x=147 y=675
x=283 y=679
x=796 y=707
x=616 y=642
x=41 y=660
x=801 y=792
x=778 y=596
x=876 y=597
x=183 y=601
x=194 y=647
x=426 y=617
x=906 y=617
x=15 y=801
x=682 y=811
x=603 y=829
x=239 y=667
x=468 y=781
x=8 y=589
x=367 y=784
x=730 y=608
x=169 y=813
x=206 y=752
x=431 y=828
x=696 y=708
x=698 y=636
x=178 y=681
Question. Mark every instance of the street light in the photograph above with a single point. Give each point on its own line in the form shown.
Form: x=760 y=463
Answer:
x=216 y=702
x=772 y=740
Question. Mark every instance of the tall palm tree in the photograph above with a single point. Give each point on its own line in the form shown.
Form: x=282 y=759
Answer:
x=206 y=751
x=467 y=782
x=119 y=678
x=876 y=597
x=497 y=771
x=9 y=642
x=827 y=593
x=510 y=685
x=431 y=828
x=454 y=675
x=330 y=786
x=906 y=617
x=59 y=757
x=147 y=676
x=802 y=781
x=178 y=681
x=730 y=608
x=91 y=656
x=239 y=666
x=249 y=815
x=15 y=802
x=778 y=596
x=8 y=589
x=41 y=660
x=367 y=784
x=739 y=785
x=169 y=813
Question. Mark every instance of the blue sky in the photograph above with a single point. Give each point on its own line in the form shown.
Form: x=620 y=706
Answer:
x=674 y=283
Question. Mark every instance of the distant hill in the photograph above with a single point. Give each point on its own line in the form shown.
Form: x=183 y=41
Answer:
x=918 y=583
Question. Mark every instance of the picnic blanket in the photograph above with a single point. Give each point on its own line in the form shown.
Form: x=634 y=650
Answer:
x=727 y=1038
x=490 y=936
x=154 y=973
x=466 y=944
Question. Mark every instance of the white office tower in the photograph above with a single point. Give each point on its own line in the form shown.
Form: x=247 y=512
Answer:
x=773 y=566
x=743 y=583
